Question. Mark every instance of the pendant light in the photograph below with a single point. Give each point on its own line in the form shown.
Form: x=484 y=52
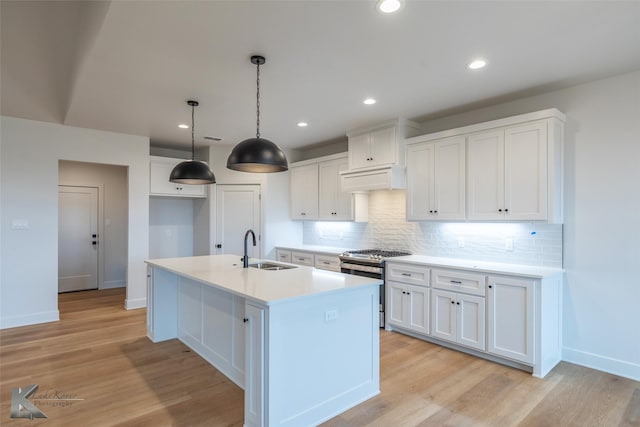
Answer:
x=192 y=171
x=257 y=154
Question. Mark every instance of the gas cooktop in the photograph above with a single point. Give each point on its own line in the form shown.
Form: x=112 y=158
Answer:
x=372 y=254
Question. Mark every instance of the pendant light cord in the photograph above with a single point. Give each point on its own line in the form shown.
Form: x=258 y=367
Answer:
x=193 y=147
x=258 y=102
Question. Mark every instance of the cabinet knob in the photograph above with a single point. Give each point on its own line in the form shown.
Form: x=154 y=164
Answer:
x=458 y=303
x=435 y=212
x=490 y=286
x=219 y=246
x=499 y=210
x=245 y=320
x=430 y=211
x=506 y=210
x=453 y=302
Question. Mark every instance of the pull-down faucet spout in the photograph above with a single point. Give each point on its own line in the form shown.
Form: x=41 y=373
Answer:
x=245 y=258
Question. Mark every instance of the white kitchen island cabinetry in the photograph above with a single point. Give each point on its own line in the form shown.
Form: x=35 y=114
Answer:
x=507 y=313
x=159 y=185
x=280 y=335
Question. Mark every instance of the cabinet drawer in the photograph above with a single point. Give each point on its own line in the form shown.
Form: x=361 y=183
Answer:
x=328 y=262
x=302 y=258
x=283 y=255
x=408 y=273
x=458 y=281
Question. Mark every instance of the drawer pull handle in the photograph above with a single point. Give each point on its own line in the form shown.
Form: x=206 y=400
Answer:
x=457 y=282
x=326 y=262
x=406 y=274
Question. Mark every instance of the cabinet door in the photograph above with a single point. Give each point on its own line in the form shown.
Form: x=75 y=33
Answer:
x=471 y=321
x=304 y=192
x=418 y=309
x=255 y=368
x=327 y=262
x=526 y=172
x=395 y=310
x=449 y=179
x=334 y=204
x=443 y=315
x=485 y=176
x=420 y=181
x=383 y=146
x=510 y=318
x=359 y=151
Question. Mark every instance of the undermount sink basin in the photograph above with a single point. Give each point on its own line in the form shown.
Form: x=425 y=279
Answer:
x=271 y=266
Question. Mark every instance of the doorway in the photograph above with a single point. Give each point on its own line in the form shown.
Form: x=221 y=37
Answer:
x=78 y=251
x=237 y=210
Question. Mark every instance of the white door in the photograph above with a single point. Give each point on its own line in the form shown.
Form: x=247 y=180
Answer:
x=77 y=238
x=237 y=210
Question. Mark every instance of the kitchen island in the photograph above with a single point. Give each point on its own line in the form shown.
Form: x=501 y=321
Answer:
x=303 y=343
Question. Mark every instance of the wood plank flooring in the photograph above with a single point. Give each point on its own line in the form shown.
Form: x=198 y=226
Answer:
x=99 y=353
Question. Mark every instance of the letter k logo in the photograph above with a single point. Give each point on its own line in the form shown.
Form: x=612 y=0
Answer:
x=20 y=405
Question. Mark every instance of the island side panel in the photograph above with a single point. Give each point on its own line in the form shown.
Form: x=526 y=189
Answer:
x=323 y=356
x=162 y=305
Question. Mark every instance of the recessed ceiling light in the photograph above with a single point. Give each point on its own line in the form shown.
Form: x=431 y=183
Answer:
x=389 y=6
x=369 y=101
x=303 y=124
x=476 y=64
x=183 y=126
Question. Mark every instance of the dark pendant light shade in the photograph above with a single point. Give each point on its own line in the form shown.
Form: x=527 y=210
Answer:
x=257 y=154
x=193 y=172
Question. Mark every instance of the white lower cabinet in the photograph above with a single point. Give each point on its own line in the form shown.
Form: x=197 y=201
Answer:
x=324 y=261
x=303 y=258
x=502 y=316
x=283 y=255
x=458 y=318
x=254 y=320
x=408 y=306
x=511 y=318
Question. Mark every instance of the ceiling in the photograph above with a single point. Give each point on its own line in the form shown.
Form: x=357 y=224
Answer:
x=130 y=66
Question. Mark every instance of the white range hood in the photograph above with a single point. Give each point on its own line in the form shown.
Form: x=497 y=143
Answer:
x=384 y=178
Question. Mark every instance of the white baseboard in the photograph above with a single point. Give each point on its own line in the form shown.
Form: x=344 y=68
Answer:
x=29 y=319
x=131 y=304
x=114 y=284
x=602 y=363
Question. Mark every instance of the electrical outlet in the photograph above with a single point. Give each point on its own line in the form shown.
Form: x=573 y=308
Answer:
x=508 y=243
x=461 y=242
x=20 y=224
x=330 y=315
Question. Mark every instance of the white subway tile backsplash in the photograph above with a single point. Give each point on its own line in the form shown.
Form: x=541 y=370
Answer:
x=533 y=243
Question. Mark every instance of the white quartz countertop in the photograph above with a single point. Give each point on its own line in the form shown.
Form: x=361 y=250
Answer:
x=480 y=266
x=267 y=287
x=327 y=250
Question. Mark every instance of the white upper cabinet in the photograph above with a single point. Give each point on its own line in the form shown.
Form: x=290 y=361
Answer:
x=508 y=173
x=316 y=193
x=304 y=192
x=159 y=185
x=436 y=180
x=334 y=203
x=513 y=171
x=380 y=146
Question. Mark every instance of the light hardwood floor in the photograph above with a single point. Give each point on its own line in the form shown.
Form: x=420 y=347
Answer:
x=98 y=352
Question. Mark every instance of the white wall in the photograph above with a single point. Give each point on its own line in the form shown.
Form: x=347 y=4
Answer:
x=112 y=183
x=29 y=190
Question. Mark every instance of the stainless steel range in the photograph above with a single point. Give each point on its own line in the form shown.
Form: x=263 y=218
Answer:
x=369 y=263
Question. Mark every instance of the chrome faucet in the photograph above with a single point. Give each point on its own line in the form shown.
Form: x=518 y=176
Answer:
x=245 y=258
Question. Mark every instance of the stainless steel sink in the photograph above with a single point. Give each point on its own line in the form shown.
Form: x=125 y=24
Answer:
x=271 y=266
